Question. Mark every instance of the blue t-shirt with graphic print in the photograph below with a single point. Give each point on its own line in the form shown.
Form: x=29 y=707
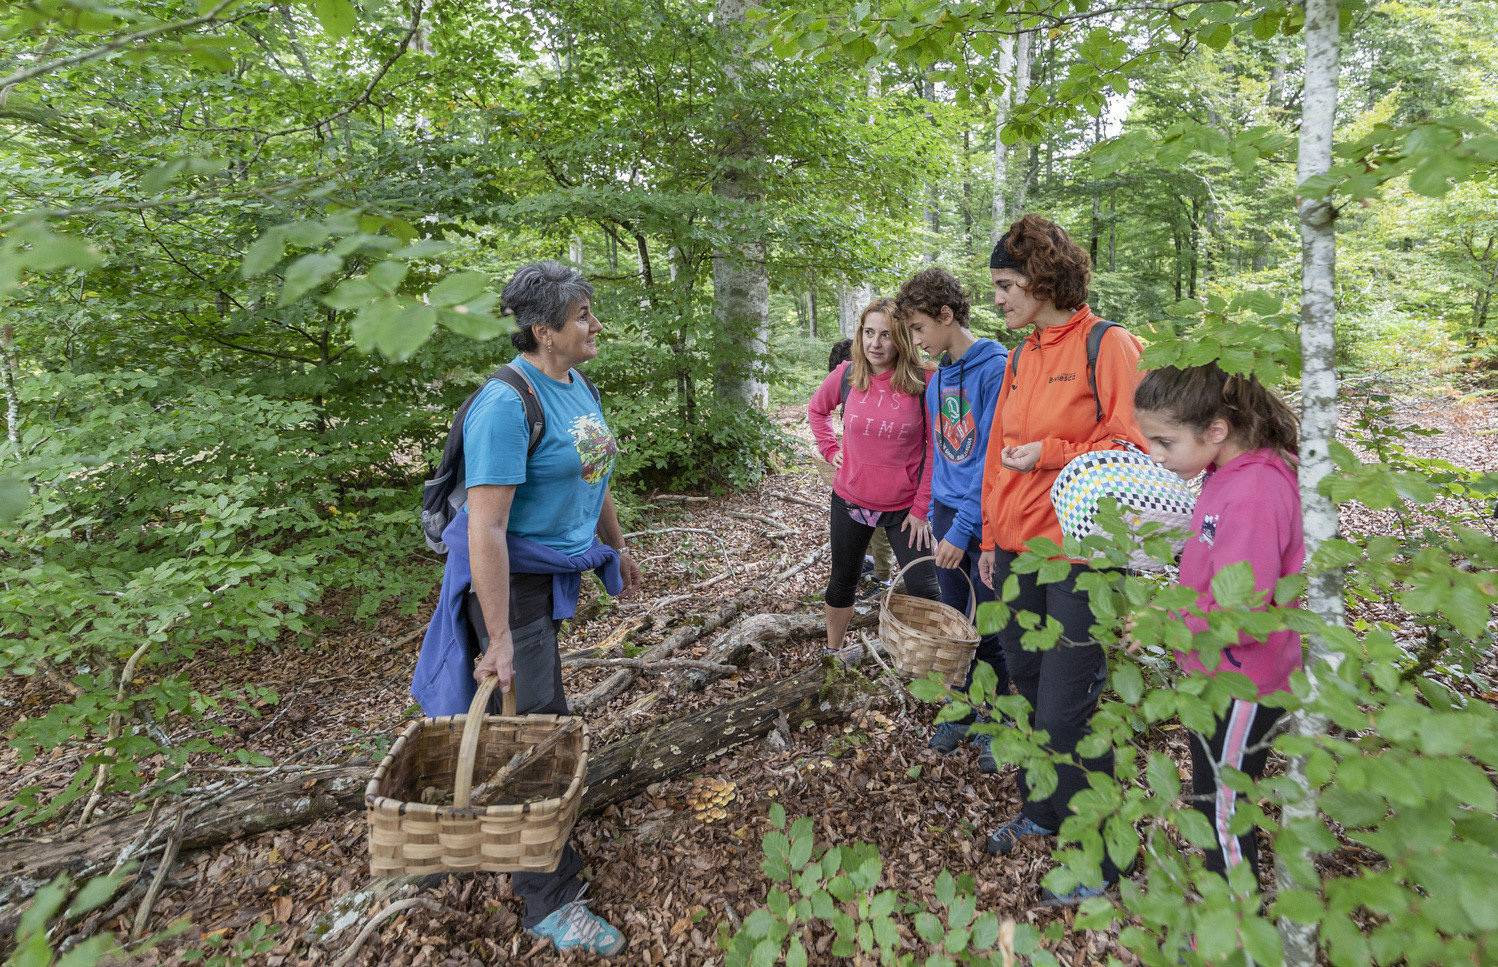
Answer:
x=559 y=490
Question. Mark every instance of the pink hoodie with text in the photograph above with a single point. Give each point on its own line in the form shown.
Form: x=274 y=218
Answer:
x=886 y=443
x=1249 y=511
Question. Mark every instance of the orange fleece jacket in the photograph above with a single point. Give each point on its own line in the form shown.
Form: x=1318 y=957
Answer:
x=1049 y=400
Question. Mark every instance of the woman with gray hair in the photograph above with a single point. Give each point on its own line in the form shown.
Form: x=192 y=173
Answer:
x=537 y=459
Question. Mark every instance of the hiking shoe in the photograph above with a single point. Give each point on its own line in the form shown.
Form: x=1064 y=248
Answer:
x=1002 y=841
x=986 y=762
x=948 y=736
x=572 y=926
x=1072 y=898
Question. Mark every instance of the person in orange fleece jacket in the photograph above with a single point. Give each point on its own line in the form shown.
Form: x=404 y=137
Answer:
x=1047 y=414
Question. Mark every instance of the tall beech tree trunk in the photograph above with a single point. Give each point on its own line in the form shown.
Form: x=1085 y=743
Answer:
x=1318 y=387
x=741 y=279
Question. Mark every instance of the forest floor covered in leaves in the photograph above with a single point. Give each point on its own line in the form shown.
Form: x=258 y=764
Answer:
x=666 y=873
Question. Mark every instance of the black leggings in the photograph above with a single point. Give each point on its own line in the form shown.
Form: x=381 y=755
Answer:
x=1062 y=684
x=850 y=540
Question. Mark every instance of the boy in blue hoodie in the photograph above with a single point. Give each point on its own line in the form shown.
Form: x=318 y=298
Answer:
x=960 y=401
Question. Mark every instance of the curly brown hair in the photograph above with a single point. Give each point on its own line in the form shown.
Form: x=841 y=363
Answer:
x=930 y=289
x=1054 y=266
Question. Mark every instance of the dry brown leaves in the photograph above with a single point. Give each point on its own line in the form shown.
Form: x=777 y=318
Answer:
x=671 y=865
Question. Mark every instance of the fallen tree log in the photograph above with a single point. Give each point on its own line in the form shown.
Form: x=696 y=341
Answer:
x=761 y=631
x=616 y=772
x=625 y=767
x=610 y=688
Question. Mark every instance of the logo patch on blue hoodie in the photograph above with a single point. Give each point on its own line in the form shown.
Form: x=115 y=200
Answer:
x=959 y=431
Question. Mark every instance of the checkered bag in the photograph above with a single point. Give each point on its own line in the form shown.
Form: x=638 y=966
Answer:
x=1146 y=492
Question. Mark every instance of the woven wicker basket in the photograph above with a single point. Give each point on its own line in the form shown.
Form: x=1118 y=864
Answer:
x=923 y=636
x=407 y=836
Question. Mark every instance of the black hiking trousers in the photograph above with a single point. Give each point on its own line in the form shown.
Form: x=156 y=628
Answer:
x=538 y=691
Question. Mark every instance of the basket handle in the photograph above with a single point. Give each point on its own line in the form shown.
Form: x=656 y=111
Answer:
x=972 y=592
x=472 y=725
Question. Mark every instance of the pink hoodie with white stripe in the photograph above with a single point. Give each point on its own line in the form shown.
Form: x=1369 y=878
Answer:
x=1249 y=511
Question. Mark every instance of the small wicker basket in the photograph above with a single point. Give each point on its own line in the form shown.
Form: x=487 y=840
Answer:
x=923 y=636
x=408 y=836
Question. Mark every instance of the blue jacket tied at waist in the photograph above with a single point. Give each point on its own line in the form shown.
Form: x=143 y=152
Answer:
x=443 y=682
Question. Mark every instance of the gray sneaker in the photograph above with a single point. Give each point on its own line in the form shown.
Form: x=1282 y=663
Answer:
x=948 y=736
x=986 y=762
x=1002 y=841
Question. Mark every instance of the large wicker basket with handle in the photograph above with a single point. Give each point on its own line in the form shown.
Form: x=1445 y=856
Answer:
x=525 y=831
x=923 y=636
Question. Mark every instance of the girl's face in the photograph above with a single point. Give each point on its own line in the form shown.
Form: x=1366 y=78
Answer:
x=932 y=334
x=1013 y=300
x=878 y=342
x=1183 y=450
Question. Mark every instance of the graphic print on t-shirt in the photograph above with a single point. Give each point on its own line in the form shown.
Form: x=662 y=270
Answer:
x=959 y=431
x=595 y=445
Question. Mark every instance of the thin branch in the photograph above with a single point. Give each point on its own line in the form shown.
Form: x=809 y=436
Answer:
x=369 y=89
x=374 y=922
x=143 y=915
x=119 y=43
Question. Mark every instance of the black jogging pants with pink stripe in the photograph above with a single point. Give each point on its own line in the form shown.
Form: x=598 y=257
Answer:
x=1238 y=744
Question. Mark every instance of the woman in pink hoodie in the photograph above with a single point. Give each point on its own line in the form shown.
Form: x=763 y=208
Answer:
x=1244 y=437
x=883 y=459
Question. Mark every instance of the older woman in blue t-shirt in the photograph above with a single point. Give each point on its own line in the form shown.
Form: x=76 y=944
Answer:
x=536 y=516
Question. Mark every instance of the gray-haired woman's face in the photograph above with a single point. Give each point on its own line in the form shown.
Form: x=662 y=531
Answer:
x=577 y=340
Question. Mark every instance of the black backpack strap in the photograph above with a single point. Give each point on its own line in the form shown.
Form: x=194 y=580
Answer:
x=845 y=384
x=535 y=417
x=591 y=388
x=1094 y=346
x=1011 y=371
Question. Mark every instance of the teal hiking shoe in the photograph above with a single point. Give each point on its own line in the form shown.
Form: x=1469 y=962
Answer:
x=1004 y=839
x=572 y=926
x=948 y=736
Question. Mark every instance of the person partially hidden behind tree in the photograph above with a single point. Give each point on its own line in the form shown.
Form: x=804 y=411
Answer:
x=1244 y=438
x=538 y=514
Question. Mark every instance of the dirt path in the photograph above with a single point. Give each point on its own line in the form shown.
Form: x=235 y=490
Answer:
x=658 y=872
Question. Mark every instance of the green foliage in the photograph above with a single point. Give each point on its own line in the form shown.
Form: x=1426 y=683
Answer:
x=838 y=887
x=58 y=903
x=1406 y=775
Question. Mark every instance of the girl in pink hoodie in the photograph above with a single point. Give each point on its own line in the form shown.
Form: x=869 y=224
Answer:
x=883 y=459
x=1243 y=436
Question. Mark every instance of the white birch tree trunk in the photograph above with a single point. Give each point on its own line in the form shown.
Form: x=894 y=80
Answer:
x=741 y=279
x=1000 y=149
x=1318 y=420
x=1024 y=57
x=9 y=373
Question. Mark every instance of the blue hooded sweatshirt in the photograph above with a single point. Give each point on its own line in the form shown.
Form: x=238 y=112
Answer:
x=968 y=391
